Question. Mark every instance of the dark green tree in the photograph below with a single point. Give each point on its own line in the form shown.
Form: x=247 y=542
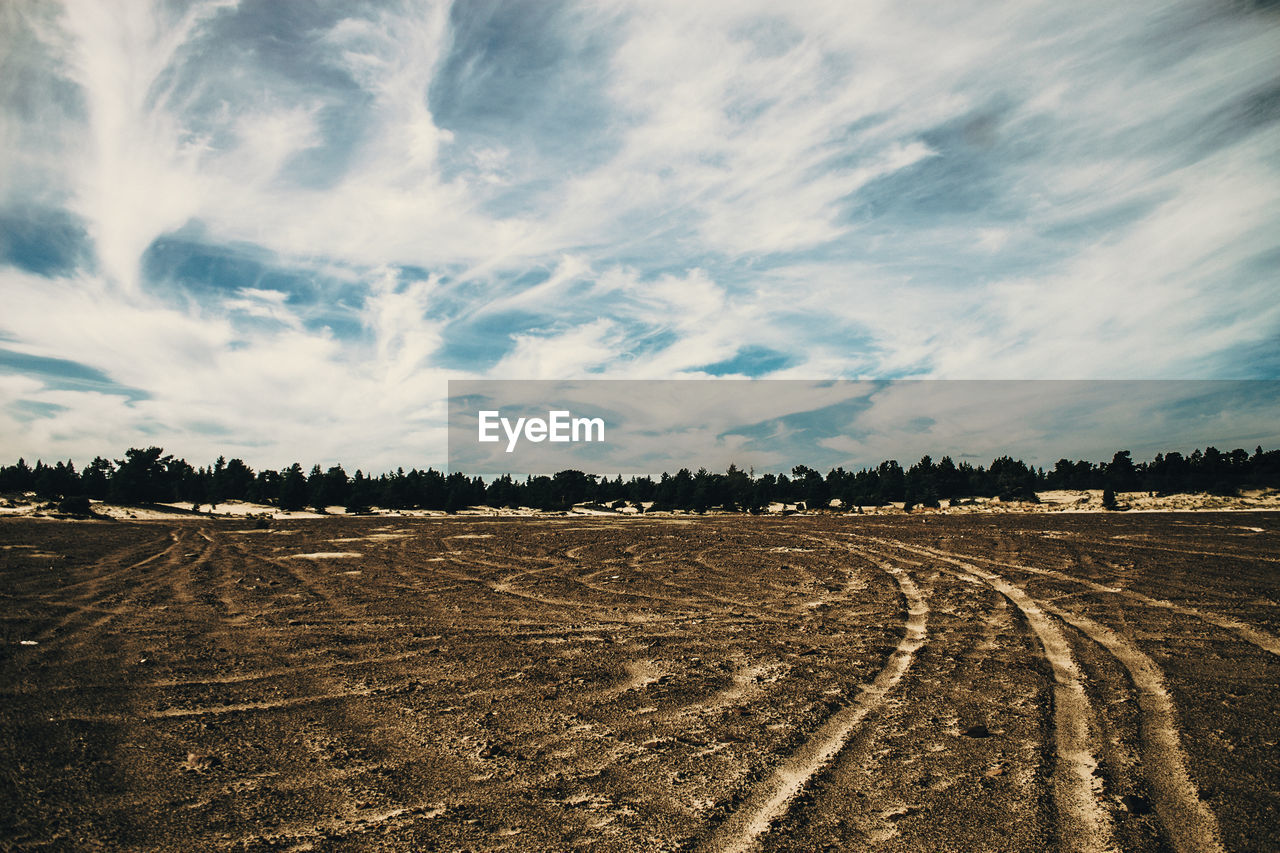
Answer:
x=237 y=481
x=1121 y=475
x=94 y=479
x=141 y=477
x=293 y=488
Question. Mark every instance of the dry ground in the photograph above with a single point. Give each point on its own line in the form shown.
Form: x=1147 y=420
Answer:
x=1033 y=682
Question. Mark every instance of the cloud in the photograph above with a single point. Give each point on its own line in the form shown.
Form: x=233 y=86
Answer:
x=286 y=229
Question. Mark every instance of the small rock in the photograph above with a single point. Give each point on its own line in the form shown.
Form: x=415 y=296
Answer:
x=1136 y=805
x=200 y=762
x=491 y=750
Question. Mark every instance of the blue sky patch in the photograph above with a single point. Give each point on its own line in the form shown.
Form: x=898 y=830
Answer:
x=750 y=361
x=64 y=374
x=364 y=200
x=45 y=242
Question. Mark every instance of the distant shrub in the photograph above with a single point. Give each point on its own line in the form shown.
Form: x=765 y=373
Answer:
x=76 y=505
x=1020 y=492
x=1109 y=498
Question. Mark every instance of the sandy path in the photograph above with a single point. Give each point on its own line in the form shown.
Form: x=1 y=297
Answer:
x=1190 y=824
x=101 y=579
x=163 y=570
x=771 y=799
x=1083 y=823
x=1248 y=633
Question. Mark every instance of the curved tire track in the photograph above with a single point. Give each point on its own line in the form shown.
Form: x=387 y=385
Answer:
x=1082 y=822
x=1248 y=633
x=772 y=798
x=1190 y=825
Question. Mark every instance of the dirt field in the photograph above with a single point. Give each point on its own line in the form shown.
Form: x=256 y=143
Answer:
x=966 y=683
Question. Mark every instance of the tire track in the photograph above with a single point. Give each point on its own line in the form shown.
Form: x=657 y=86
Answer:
x=229 y=708
x=919 y=779
x=1191 y=826
x=309 y=582
x=1082 y=822
x=96 y=581
x=1263 y=640
x=506 y=585
x=1134 y=545
x=217 y=581
x=771 y=799
x=499 y=588
x=67 y=628
x=689 y=600
x=237 y=678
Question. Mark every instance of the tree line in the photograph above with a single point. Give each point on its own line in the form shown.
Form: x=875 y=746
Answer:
x=150 y=476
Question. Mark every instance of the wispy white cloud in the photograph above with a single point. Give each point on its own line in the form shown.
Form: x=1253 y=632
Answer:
x=137 y=173
x=395 y=195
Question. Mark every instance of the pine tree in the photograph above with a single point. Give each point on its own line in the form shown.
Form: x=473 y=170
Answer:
x=293 y=488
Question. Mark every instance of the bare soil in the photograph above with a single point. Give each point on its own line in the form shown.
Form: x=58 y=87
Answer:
x=967 y=683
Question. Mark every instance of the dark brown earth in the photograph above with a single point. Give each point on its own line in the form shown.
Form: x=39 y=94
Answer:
x=1066 y=682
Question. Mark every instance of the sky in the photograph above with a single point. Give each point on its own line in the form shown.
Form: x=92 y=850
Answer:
x=275 y=231
x=771 y=425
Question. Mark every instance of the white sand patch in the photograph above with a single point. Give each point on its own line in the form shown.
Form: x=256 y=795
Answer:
x=231 y=508
x=245 y=509
x=1090 y=500
x=640 y=674
x=137 y=513
x=325 y=555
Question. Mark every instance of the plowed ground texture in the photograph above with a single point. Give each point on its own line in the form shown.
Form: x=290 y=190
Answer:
x=1021 y=683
